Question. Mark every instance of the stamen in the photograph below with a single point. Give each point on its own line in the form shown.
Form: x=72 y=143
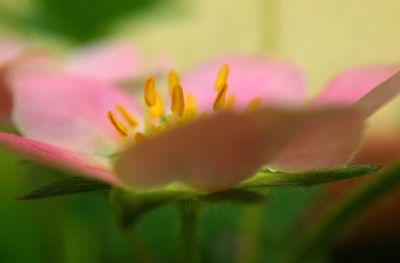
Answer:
x=254 y=104
x=219 y=101
x=173 y=80
x=222 y=77
x=157 y=110
x=132 y=122
x=150 y=92
x=118 y=126
x=229 y=102
x=191 y=106
x=177 y=100
x=139 y=137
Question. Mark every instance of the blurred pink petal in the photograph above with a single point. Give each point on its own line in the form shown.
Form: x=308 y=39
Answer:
x=56 y=157
x=274 y=82
x=24 y=63
x=68 y=111
x=111 y=62
x=217 y=153
x=379 y=96
x=350 y=86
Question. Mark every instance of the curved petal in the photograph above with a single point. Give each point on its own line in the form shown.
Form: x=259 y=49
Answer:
x=8 y=51
x=350 y=86
x=57 y=157
x=274 y=82
x=68 y=111
x=216 y=153
x=111 y=62
x=25 y=63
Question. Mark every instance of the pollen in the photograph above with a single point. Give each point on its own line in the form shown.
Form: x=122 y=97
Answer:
x=121 y=129
x=222 y=77
x=150 y=94
x=129 y=119
x=177 y=100
x=219 y=101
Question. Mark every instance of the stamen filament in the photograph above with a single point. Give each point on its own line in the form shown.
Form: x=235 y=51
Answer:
x=222 y=77
x=229 y=102
x=219 y=101
x=150 y=92
x=177 y=100
x=117 y=125
x=132 y=122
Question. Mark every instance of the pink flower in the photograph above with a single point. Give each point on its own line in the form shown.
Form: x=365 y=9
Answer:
x=216 y=133
x=115 y=62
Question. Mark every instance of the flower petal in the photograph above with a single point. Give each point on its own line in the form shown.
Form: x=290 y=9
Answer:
x=217 y=153
x=274 y=82
x=68 y=111
x=111 y=62
x=25 y=63
x=56 y=157
x=350 y=86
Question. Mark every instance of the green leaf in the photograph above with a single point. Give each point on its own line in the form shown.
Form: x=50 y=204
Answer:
x=70 y=185
x=237 y=195
x=268 y=178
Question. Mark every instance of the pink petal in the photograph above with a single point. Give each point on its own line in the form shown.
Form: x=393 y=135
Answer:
x=111 y=62
x=216 y=153
x=274 y=82
x=379 y=96
x=350 y=86
x=57 y=157
x=25 y=63
x=327 y=144
x=68 y=111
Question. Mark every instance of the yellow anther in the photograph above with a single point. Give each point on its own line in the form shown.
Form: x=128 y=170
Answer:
x=253 y=105
x=173 y=80
x=117 y=125
x=157 y=110
x=229 y=102
x=132 y=122
x=139 y=137
x=190 y=104
x=177 y=100
x=150 y=94
x=219 y=101
x=222 y=77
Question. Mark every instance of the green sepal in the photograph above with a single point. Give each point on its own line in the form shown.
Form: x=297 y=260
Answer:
x=268 y=178
x=65 y=186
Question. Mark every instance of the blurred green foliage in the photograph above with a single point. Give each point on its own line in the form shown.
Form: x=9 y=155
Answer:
x=80 y=20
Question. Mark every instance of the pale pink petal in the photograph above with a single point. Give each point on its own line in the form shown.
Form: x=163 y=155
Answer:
x=9 y=49
x=216 y=153
x=330 y=143
x=379 y=96
x=274 y=82
x=26 y=62
x=111 y=62
x=68 y=111
x=350 y=86
x=57 y=157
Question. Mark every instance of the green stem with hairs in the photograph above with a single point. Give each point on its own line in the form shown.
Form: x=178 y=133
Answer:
x=188 y=213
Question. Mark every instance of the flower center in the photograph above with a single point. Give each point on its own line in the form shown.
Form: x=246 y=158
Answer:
x=183 y=107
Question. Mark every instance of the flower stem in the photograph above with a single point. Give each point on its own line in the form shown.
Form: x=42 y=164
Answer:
x=188 y=212
x=337 y=218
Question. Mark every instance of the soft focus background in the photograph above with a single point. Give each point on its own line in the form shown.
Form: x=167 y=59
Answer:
x=322 y=37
